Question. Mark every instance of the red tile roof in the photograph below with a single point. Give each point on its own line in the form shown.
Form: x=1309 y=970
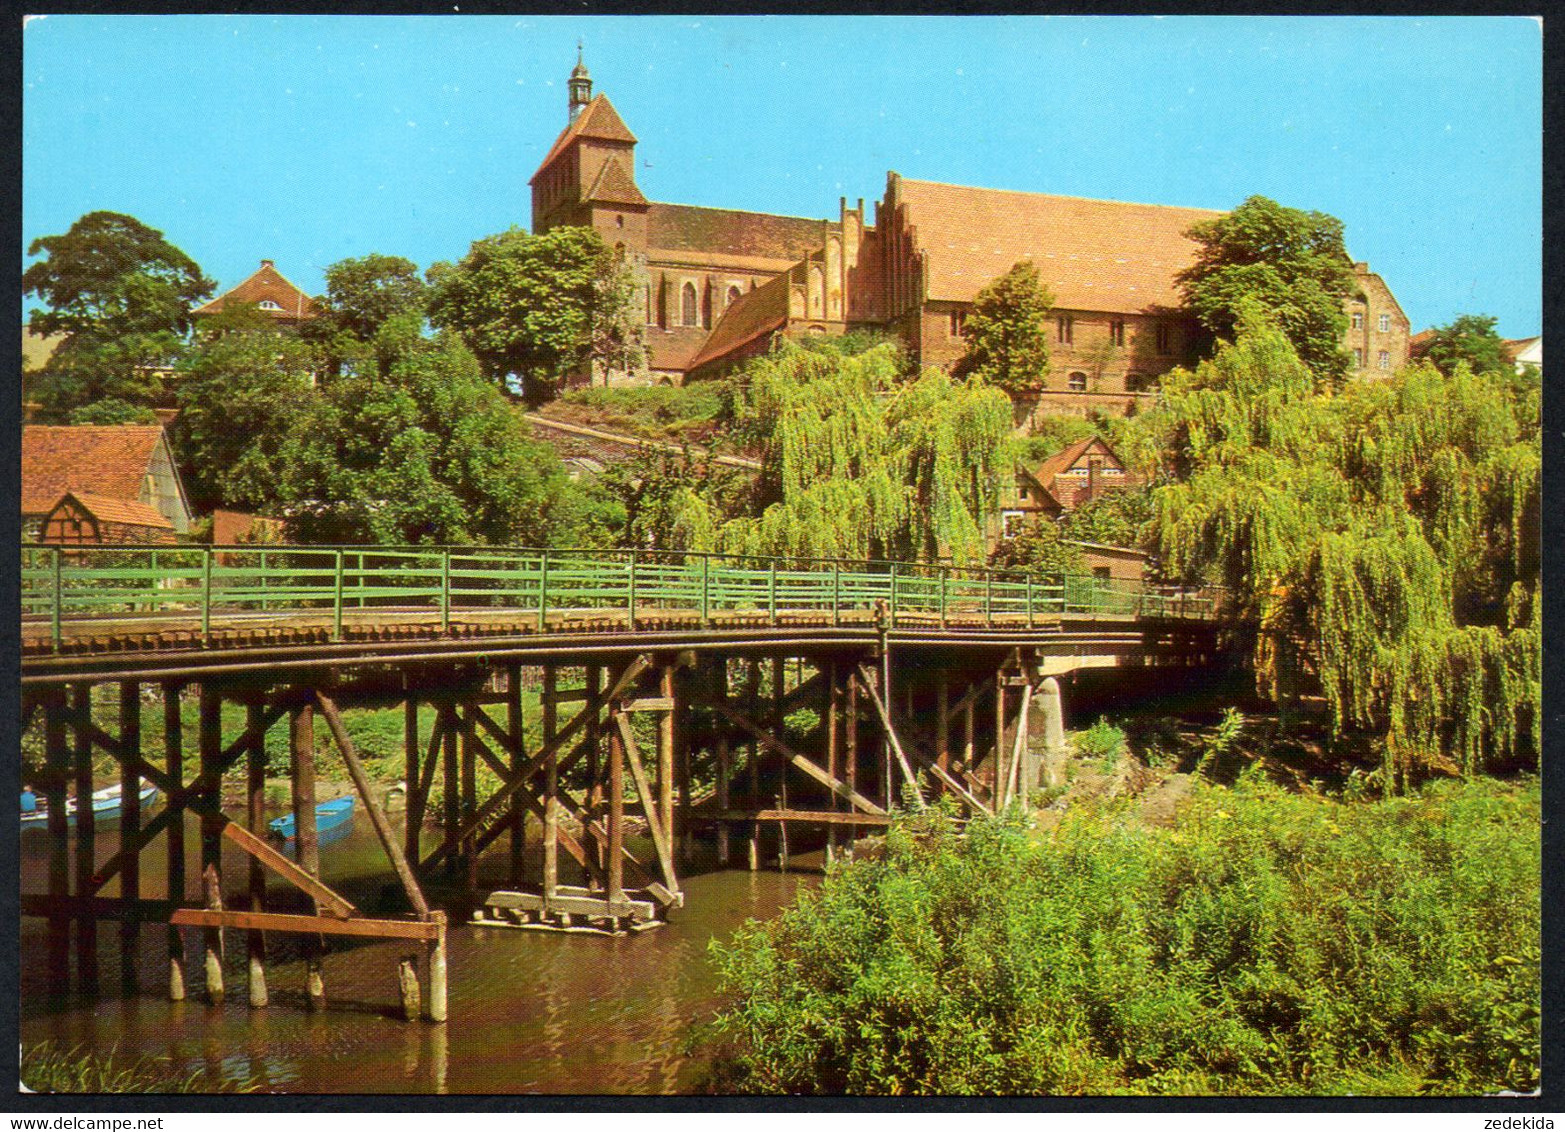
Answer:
x=267 y=285
x=614 y=185
x=687 y=227
x=1065 y=459
x=598 y=120
x=747 y=318
x=128 y=511
x=101 y=460
x=1097 y=255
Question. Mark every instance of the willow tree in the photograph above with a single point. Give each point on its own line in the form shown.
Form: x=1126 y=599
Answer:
x=857 y=463
x=1384 y=539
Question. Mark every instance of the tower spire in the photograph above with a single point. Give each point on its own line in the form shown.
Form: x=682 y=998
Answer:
x=580 y=85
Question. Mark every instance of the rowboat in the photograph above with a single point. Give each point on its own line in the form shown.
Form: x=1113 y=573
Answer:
x=332 y=819
x=105 y=807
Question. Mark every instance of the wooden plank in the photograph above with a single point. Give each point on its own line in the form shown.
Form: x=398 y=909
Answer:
x=265 y=854
x=812 y=817
x=891 y=736
x=649 y=703
x=311 y=925
x=653 y=810
x=575 y=901
x=377 y=818
x=854 y=797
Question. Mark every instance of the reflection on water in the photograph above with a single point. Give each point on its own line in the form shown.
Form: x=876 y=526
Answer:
x=530 y=1011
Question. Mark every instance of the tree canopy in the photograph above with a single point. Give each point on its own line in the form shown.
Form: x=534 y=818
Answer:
x=1290 y=261
x=1470 y=338
x=1007 y=336
x=122 y=295
x=859 y=463
x=539 y=308
x=1385 y=540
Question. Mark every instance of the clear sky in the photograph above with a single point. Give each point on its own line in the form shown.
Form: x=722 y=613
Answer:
x=307 y=139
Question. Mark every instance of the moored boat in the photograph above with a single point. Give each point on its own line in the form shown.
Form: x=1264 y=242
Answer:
x=106 y=805
x=331 y=818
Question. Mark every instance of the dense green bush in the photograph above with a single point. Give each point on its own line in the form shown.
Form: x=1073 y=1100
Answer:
x=1273 y=943
x=656 y=410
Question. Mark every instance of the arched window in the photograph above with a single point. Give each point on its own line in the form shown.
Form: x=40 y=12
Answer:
x=1135 y=382
x=733 y=295
x=268 y=305
x=688 y=311
x=1077 y=382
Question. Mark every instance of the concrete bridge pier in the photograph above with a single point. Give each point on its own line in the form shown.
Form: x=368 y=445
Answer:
x=1050 y=714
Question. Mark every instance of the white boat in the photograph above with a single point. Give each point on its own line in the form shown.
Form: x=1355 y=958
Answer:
x=105 y=806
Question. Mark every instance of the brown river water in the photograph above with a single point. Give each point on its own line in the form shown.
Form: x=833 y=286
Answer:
x=530 y=1011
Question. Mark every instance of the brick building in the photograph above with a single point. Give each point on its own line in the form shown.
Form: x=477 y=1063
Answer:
x=115 y=472
x=718 y=286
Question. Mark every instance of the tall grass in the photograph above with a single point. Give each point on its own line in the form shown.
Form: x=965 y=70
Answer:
x=1271 y=944
x=50 y=1068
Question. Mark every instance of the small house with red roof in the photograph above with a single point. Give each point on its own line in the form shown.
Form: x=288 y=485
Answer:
x=1078 y=472
x=271 y=293
x=81 y=478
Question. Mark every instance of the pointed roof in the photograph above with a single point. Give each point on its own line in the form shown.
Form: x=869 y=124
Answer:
x=751 y=315
x=615 y=186
x=599 y=121
x=266 y=285
x=131 y=512
x=101 y=460
x=1065 y=458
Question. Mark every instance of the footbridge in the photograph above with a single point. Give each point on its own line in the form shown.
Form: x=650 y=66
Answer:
x=587 y=725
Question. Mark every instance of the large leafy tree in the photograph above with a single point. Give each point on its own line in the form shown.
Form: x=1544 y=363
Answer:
x=122 y=296
x=431 y=453
x=1007 y=333
x=363 y=295
x=1470 y=338
x=537 y=309
x=858 y=462
x=1384 y=539
x=1290 y=261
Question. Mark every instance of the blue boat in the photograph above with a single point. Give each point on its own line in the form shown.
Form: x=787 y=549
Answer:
x=332 y=820
x=105 y=807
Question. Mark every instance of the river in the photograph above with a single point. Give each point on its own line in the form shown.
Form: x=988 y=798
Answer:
x=530 y=1011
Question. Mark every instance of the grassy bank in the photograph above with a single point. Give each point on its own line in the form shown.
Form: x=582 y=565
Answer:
x=48 y=1068
x=1271 y=942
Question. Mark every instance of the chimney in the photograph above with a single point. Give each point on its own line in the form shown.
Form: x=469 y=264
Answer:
x=266 y=263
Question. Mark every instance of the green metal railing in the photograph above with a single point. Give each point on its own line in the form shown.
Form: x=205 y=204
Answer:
x=61 y=584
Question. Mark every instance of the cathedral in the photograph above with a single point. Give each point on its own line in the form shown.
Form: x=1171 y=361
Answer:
x=719 y=285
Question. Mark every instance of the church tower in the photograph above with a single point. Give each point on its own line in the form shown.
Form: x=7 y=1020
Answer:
x=588 y=178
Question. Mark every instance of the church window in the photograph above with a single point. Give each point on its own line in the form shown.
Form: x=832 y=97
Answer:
x=1358 y=358
x=1385 y=323
x=1117 y=332
x=733 y=297
x=687 y=305
x=1066 y=327
x=1165 y=339
x=1135 y=382
x=1077 y=382
x=958 y=321
x=1358 y=320
x=1384 y=359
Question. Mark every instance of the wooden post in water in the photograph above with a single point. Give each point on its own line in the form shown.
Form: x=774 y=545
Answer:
x=86 y=848
x=437 y=969
x=666 y=757
x=594 y=795
x=833 y=710
x=679 y=730
x=969 y=728
x=211 y=750
x=255 y=942
x=851 y=754
x=752 y=699
x=551 y=788
x=724 y=762
x=616 y=863
x=411 y=810
x=130 y=829
x=779 y=677
x=57 y=771
x=306 y=845
x=173 y=753
x=514 y=728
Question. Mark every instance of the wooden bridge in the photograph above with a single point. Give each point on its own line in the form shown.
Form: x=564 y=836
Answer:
x=683 y=701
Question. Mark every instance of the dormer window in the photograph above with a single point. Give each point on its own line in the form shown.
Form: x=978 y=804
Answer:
x=268 y=305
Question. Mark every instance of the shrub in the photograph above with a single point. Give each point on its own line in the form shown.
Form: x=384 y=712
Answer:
x=1271 y=944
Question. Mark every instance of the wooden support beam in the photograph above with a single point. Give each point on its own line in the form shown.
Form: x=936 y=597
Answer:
x=724 y=762
x=86 y=844
x=649 y=703
x=255 y=791
x=377 y=818
x=469 y=750
x=412 y=812
x=891 y=738
x=85 y=908
x=514 y=723
x=653 y=810
x=208 y=782
x=57 y=764
x=173 y=754
x=999 y=741
x=312 y=925
x=262 y=853
x=593 y=799
x=665 y=755
x=833 y=724
x=451 y=792
x=827 y=818
x=1014 y=786
x=130 y=826
x=966 y=794
x=551 y=813
x=943 y=720
x=775 y=744
x=616 y=867
x=306 y=842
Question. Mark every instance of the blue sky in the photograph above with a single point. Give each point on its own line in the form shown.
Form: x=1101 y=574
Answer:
x=307 y=139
